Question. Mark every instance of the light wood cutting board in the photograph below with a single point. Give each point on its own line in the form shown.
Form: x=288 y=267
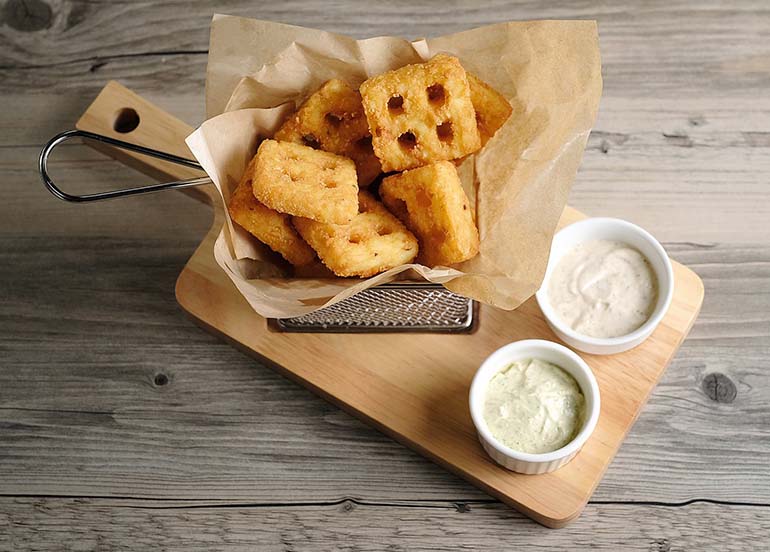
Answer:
x=413 y=387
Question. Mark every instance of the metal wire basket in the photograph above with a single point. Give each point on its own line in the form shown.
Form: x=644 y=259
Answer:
x=397 y=307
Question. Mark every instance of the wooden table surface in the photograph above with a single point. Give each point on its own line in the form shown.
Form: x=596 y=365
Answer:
x=124 y=426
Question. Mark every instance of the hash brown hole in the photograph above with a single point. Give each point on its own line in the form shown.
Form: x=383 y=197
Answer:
x=407 y=140
x=311 y=141
x=436 y=94
x=396 y=105
x=444 y=131
x=333 y=119
x=364 y=144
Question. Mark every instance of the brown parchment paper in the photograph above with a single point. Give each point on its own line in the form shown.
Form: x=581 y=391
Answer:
x=550 y=71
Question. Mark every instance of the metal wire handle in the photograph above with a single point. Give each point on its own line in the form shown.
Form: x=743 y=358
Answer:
x=114 y=194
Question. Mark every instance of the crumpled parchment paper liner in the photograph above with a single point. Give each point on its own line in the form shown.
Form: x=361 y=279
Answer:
x=550 y=71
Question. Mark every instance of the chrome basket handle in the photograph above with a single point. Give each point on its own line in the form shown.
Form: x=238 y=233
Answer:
x=114 y=194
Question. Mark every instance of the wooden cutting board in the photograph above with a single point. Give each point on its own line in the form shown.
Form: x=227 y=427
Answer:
x=413 y=387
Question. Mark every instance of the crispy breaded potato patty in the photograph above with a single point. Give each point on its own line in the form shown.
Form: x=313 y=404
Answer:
x=373 y=242
x=431 y=202
x=492 y=109
x=304 y=182
x=332 y=119
x=272 y=228
x=420 y=114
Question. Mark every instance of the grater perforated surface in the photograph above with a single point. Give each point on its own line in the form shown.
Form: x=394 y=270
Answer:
x=398 y=307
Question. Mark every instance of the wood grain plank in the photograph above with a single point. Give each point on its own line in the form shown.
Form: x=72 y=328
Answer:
x=223 y=426
x=104 y=524
x=705 y=195
x=696 y=73
x=113 y=244
x=661 y=49
x=28 y=210
x=428 y=377
x=712 y=43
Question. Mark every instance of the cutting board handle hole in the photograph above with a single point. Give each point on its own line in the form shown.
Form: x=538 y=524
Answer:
x=126 y=120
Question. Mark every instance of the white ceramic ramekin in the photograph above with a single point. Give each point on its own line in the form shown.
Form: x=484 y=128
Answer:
x=554 y=353
x=615 y=230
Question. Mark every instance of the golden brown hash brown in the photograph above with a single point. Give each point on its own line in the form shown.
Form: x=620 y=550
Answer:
x=420 y=114
x=373 y=242
x=272 y=228
x=431 y=202
x=332 y=119
x=492 y=109
x=304 y=182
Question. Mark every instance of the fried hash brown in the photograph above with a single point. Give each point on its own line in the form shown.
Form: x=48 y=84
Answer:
x=304 y=182
x=332 y=119
x=420 y=114
x=272 y=228
x=492 y=109
x=431 y=202
x=373 y=242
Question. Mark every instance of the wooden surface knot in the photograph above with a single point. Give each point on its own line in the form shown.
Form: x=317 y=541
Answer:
x=718 y=387
x=27 y=15
x=660 y=545
x=462 y=507
x=609 y=139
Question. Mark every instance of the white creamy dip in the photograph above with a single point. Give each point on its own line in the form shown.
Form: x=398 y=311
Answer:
x=533 y=406
x=603 y=288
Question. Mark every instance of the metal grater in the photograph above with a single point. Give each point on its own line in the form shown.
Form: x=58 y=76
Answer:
x=397 y=307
